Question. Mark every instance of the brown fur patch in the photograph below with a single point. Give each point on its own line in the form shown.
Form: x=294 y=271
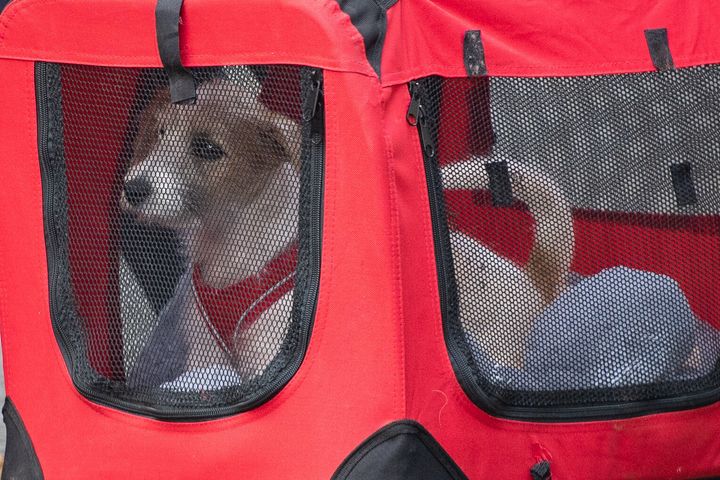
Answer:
x=254 y=140
x=546 y=274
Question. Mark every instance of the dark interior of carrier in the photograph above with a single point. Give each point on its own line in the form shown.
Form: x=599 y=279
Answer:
x=122 y=238
x=637 y=158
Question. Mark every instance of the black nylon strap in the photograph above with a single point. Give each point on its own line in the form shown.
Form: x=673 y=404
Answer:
x=167 y=26
x=499 y=183
x=657 y=42
x=474 y=54
x=541 y=471
x=21 y=460
x=370 y=19
x=683 y=185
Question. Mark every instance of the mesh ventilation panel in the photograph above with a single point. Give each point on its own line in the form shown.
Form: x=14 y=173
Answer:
x=577 y=234
x=182 y=239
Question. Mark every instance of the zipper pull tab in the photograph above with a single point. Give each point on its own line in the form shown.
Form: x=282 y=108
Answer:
x=426 y=138
x=414 y=107
x=416 y=117
x=314 y=95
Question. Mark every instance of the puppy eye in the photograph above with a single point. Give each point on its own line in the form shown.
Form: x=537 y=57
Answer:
x=205 y=149
x=161 y=132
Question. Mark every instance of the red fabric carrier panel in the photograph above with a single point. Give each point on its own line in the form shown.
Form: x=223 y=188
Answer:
x=545 y=38
x=377 y=351
x=122 y=33
x=423 y=37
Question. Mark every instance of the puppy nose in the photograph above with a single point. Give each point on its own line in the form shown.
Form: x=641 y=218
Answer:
x=137 y=191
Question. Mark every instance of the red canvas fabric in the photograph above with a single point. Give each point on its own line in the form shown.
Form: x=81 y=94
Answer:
x=377 y=352
x=545 y=38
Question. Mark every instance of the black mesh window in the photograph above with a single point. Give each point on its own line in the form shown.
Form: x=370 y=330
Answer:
x=183 y=240
x=578 y=238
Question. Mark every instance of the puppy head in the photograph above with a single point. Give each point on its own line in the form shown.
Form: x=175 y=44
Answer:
x=190 y=162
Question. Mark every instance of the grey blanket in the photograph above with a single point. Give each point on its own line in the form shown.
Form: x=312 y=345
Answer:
x=618 y=328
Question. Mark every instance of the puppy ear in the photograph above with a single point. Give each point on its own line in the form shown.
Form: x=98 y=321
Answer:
x=145 y=125
x=280 y=139
x=246 y=78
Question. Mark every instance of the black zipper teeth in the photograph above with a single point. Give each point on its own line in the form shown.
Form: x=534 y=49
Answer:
x=48 y=193
x=317 y=163
x=464 y=372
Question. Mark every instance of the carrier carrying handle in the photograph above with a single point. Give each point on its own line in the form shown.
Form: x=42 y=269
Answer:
x=167 y=27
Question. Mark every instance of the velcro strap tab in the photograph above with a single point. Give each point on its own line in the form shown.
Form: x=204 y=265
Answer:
x=499 y=183
x=474 y=54
x=657 y=42
x=167 y=26
x=683 y=184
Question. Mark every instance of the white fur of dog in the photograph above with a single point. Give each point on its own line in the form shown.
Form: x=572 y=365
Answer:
x=498 y=299
x=224 y=174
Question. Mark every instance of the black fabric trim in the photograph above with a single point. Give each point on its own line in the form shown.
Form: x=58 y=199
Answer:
x=386 y=4
x=3 y=4
x=541 y=471
x=474 y=54
x=499 y=183
x=167 y=26
x=657 y=42
x=683 y=184
x=398 y=451
x=370 y=19
x=21 y=461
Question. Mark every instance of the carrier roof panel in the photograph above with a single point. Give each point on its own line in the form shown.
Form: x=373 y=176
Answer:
x=213 y=32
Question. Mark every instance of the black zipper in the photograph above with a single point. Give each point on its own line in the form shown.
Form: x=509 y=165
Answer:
x=316 y=120
x=417 y=116
x=461 y=359
x=53 y=254
x=317 y=175
x=317 y=164
x=48 y=193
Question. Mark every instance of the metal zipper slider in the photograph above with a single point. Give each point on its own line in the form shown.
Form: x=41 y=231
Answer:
x=416 y=117
x=426 y=138
x=414 y=107
x=314 y=96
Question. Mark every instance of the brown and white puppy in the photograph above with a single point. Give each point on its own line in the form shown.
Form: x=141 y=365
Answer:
x=498 y=299
x=222 y=172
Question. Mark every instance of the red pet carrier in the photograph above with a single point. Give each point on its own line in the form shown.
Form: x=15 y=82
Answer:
x=360 y=239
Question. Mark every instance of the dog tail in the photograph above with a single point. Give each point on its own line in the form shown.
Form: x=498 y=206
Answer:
x=554 y=243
